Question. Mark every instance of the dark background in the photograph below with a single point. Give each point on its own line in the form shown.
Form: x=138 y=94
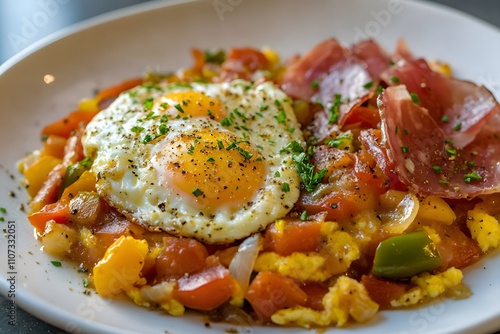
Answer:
x=13 y=14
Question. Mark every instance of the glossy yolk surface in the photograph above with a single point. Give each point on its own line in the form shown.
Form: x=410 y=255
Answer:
x=212 y=169
x=194 y=104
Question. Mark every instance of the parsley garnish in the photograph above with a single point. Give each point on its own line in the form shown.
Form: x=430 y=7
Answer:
x=178 y=107
x=137 y=129
x=148 y=103
x=293 y=147
x=210 y=159
x=56 y=263
x=285 y=187
x=197 y=192
x=334 y=109
x=336 y=142
x=443 y=182
x=405 y=149
x=310 y=178
x=395 y=79
x=215 y=57
x=457 y=126
x=85 y=162
x=304 y=215
x=451 y=151
x=436 y=169
x=368 y=85
x=147 y=139
x=281 y=118
x=472 y=177
x=414 y=98
x=314 y=84
x=220 y=144
x=226 y=121
x=445 y=119
x=85 y=282
x=3 y=210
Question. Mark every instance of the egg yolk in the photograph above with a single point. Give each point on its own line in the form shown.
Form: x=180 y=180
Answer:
x=194 y=104
x=213 y=169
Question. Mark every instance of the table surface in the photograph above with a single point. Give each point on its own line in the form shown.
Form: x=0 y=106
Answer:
x=11 y=20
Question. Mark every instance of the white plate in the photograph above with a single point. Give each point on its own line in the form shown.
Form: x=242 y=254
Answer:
x=159 y=35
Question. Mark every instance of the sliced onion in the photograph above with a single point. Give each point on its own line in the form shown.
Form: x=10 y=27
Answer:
x=158 y=293
x=242 y=264
x=399 y=219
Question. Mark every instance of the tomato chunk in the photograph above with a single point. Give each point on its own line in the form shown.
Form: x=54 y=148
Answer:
x=180 y=256
x=382 y=291
x=55 y=211
x=270 y=292
x=281 y=237
x=206 y=290
x=66 y=125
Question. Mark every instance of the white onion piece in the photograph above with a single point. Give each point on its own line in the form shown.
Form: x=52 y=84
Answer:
x=241 y=265
x=158 y=293
x=399 y=219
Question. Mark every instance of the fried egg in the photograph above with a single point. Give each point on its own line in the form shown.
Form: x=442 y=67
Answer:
x=201 y=160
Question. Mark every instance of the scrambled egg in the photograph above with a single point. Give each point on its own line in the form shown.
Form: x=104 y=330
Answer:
x=484 y=228
x=335 y=257
x=429 y=286
x=346 y=298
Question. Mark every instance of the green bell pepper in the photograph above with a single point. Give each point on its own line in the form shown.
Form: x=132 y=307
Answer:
x=403 y=256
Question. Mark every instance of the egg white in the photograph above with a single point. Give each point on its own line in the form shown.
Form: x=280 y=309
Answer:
x=116 y=139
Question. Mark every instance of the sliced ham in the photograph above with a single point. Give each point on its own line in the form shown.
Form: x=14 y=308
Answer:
x=461 y=108
x=427 y=161
x=338 y=78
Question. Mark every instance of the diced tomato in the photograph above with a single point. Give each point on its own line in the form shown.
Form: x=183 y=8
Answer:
x=250 y=58
x=382 y=291
x=58 y=212
x=282 y=237
x=65 y=126
x=225 y=256
x=456 y=249
x=270 y=292
x=315 y=293
x=54 y=146
x=363 y=116
x=199 y=60
x=114 y=91
x=206 y=290
x=180 y=256
x=49 y=190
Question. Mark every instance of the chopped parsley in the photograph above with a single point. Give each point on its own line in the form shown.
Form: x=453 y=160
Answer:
x=457 y=126
x=215 y=57
x=405 y=149
x=436 y=169
x=314 y=84
x=451 y=151
x=281 y=117
x=293 y=147
x=85 y=282
x=310 y=178
x=445 y=119
x=277 y=174
x=226 y=121
x=368 y=85
x=220 y=144
x=137 y=129
x=337 y=142
x=443 y=182
x=285 y=187
x=148 y=103
x=333 y=112
x=178 y=107
x=85 y=162
x=304 y=215
x=234 y=146
x=197 y=192
x=210 y=159
x=3 y=210
x=56 y=263
x=472 y=177
x=395 y=79
x=414 y=98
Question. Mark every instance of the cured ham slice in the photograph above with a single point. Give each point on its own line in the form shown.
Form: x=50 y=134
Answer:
x=461 y=108
x=338 y=78
x=425 y=157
